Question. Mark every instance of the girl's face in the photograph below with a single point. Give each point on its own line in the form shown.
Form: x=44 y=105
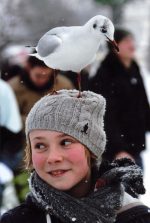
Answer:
x=59 y=159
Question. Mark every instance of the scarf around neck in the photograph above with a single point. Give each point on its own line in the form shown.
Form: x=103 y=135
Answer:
x=99 y=206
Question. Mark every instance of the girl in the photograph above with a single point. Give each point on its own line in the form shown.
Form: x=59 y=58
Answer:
x=68 y=182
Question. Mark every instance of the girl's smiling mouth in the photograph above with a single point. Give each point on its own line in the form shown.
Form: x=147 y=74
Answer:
x=57 y=173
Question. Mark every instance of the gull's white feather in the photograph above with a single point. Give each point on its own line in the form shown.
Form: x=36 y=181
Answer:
x=73 y=48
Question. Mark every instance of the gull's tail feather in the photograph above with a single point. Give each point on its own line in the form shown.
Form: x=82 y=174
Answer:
x=34 y=52
x=35 y=55
x=33 y=48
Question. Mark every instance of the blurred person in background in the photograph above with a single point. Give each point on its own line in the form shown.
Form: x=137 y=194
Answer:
x=127 y=118
x=13 y=58
x=35 y=81
x=10 y=128
x=9 y=71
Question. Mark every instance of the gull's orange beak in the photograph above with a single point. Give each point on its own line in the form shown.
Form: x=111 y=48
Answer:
x=113 y=43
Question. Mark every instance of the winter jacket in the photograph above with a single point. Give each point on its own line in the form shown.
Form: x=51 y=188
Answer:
x=127 y=110
x=9 y=111
x=11 y=147
x=29 y=213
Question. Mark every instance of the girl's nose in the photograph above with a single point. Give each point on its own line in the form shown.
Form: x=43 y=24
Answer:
x=54 y=156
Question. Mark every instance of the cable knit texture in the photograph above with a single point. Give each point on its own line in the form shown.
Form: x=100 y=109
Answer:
x=81 y=118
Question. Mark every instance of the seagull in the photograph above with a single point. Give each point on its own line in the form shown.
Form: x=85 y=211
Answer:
x=73 y=48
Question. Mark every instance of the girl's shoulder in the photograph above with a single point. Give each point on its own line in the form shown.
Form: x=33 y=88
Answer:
x=133 y=211
x=24 y=213
x=138 y=214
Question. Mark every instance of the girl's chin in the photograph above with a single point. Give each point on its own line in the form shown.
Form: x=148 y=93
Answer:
x=62 y=187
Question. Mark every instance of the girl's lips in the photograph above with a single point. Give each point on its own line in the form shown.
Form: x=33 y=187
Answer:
x=57 y=173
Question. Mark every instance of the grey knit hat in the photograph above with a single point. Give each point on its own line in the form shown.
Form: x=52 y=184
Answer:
x=81 y=118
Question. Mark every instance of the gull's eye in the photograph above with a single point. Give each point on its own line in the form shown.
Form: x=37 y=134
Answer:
x=94 y=25
x=103 y=30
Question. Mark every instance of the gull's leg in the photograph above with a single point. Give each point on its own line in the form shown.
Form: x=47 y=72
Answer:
x=54 y=90
x=79 y=85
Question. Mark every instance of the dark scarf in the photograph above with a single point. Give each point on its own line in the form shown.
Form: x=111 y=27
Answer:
x=99 y=206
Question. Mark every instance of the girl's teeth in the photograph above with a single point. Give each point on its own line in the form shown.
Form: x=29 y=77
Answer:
x=57 y=172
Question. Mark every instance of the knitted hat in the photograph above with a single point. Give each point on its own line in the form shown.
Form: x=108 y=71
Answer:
x=81 y=118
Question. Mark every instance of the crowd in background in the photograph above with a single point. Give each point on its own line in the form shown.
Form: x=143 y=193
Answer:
x=118 y=79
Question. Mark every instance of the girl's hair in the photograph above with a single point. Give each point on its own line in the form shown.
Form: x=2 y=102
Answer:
x=28 y=157
x=91 y=158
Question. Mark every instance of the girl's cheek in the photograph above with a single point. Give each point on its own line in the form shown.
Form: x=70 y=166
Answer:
x=77 y=155
x=38 y=160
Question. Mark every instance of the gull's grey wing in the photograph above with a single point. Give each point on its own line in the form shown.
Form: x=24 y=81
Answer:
x=48 y=44
x=52 y=40
x=59 y=30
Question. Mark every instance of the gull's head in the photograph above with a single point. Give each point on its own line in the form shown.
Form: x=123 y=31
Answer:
x=103 y=28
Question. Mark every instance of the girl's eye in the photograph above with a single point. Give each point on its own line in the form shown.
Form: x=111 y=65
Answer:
x=39 y=146
x=66 y=142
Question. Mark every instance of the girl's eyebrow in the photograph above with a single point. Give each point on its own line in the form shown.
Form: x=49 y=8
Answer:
x=61 y=135
x=38 y=137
